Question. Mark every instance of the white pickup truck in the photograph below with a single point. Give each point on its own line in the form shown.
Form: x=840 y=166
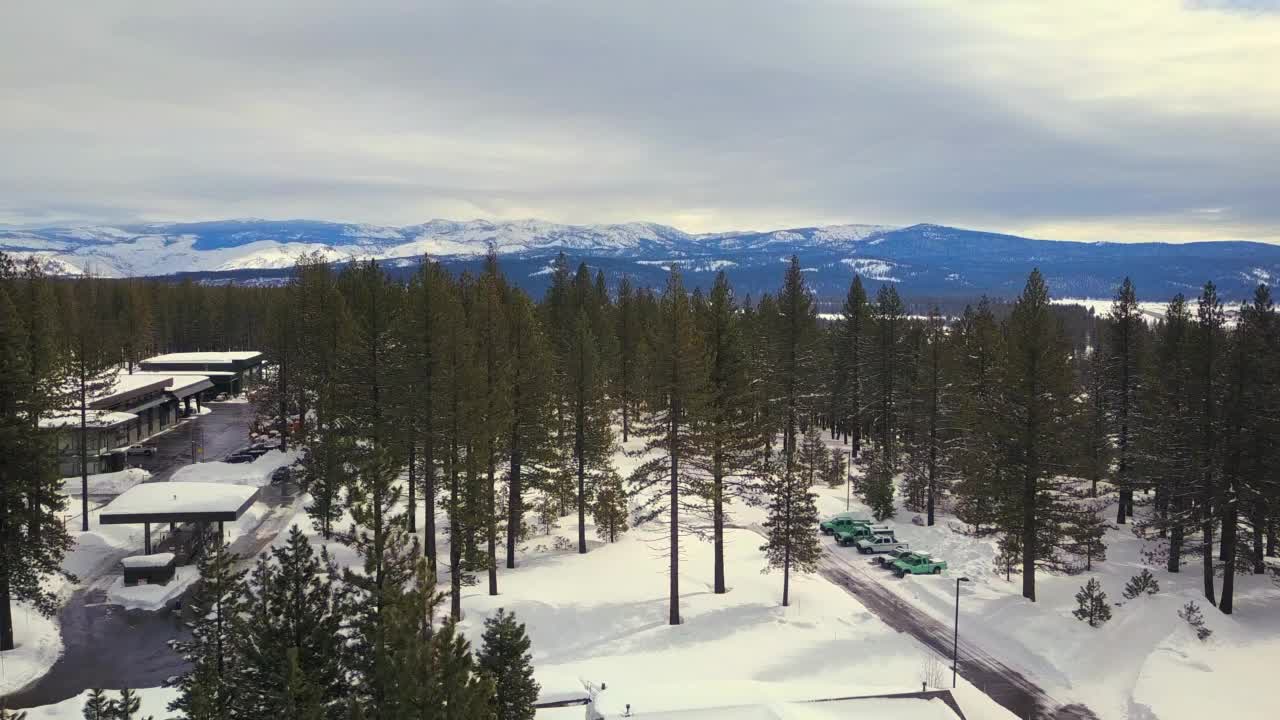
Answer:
x=880 y=543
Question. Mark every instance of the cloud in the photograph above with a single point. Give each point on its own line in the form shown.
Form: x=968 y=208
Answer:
x=1105 y=120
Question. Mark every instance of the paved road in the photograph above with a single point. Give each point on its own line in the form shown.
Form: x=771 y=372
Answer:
x=218 y=434
x=1005 y=685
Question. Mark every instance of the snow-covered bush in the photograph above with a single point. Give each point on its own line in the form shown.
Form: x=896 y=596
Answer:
x=1094 y=608
x=1191 y=613
x=1144 y=583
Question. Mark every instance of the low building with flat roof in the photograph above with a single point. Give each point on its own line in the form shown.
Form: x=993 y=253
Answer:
x=134 y=407
x=229 y=371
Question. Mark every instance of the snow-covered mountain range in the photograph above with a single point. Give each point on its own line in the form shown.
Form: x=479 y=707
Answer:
x=922 y=259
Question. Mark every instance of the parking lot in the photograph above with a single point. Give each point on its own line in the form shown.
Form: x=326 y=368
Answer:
x=213 y=436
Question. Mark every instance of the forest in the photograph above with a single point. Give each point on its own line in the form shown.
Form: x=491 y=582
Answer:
x=460 y=407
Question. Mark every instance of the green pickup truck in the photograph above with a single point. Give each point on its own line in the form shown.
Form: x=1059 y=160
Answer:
x=888 y=559
x=915 y=563
x=843 y=521
x=853 y=533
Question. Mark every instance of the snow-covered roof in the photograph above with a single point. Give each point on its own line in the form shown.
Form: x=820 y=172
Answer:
x=97 y=419
x=198 y=358
x=183 y=384
x=178 y=502
x=155 y=560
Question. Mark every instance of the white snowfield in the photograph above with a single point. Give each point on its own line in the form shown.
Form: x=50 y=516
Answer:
x=865 y=709
x=112 y=483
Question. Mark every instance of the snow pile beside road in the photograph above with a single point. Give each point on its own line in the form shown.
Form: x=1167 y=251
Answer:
x=112 y=483
x=38 y=645
x=256 y=473
x=154 y=702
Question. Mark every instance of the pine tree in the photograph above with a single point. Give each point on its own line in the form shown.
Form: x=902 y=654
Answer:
x=676 y=396
x=1093 y=606
x=1144 y=583
x=1195 y=618
x=368 y=611
x=529 y=437
x=32 y=539
x=877 y=484
x=288 y=638
x=792 y=515
x=126 y=707
x=506 y=660
x=630 y=343
x=428 y=670
x=1124 y=373
x=795 y=330
x=91 y=363
x=207 y=688
x=978 y=346
x=489 y=323
x=97 y=706
x=610 y=511
x=1207 y=352
x=589 y=414
x=854 y=323
x=813 y=457
x=886 y=357
x=1036 y=408
x=728 y=437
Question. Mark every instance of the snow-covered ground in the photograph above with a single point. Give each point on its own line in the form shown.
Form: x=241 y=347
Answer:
x=256 y=473
x=602 y=618
x=112 y=483
x=1145 y=660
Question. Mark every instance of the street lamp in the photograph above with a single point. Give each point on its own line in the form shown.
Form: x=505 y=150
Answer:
x=848 y=483
x=955 y=641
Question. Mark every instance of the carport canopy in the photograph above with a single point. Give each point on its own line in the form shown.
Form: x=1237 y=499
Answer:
x=174 y=502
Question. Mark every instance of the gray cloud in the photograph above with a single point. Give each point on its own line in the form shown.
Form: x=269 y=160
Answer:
x=709 y=115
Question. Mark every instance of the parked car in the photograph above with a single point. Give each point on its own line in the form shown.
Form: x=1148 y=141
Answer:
x=853 y=533
x=842 y=521
x=881 y=541
x=239 y=457
x=282 y=475
x=918 y=563
x=140 y=449
x=889 y=558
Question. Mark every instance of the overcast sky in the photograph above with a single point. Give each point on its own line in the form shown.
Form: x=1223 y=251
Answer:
x=1133 y=120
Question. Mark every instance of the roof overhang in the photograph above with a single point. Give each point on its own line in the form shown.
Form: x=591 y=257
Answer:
x=179 y=502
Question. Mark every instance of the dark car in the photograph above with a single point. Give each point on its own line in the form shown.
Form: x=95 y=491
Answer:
x=239 y=457
x=282 y=475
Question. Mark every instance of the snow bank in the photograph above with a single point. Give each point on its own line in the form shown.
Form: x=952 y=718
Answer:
x=155 y=560
x=38 y=644
x=154 y=702
x=152 y=597
x=256 y=473
x=112 y=483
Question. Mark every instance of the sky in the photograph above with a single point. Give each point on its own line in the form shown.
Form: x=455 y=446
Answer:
x=1087 y=120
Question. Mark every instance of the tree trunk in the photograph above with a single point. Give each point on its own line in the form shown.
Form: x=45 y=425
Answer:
x=515 y=507
x=673 y=443
x=492 y=525
x=717 y=519
x=1206 y=552
x=1175 y=535
x=413 y=503
x=1229 y=535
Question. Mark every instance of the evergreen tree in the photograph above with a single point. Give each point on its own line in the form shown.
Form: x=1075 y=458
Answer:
x=728 y=437
x=630 y=342
x=978 y=346
x=1207 y=352
x=33 y=540
x=793 y=355
x=792 y=515
x=490 y=329
x=529 y=437
x=676 y=396
x=1093 y=606
x=207 y=689
x=1143 y=583
x=1036 y=407
x=592 y=439
x=289 y=636
x=126 y=707
x=886 y=358
x=610 y=511
x=854 y=323
x=97 y=706
x=812 y=461
x=91 y=362
x=1124 y=372
x=506 y=660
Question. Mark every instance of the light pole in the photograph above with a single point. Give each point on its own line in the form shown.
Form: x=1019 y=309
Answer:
x=848 y=483
x=955 y=640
